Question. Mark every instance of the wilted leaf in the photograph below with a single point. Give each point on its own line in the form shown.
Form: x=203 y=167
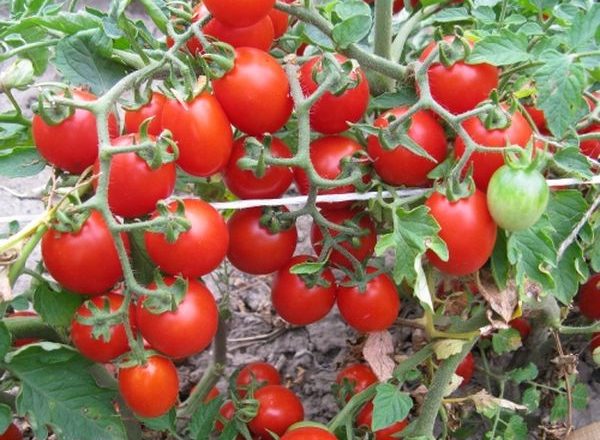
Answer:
x=485 y=402
x=503 y=302
x=377 y=351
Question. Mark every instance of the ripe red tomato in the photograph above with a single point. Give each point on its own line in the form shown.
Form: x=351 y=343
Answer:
x=212 y=395
x=361 y=247
x=253 y=248
x=308 y=433
x=152 y=389
x=400 y=166
x=85 y=261
x=134 y=188
x=100 y=349
x=72 y=145
x=591 y=147
x=538 y=118
x=360 y=377
x=185 y=331
x=12 y=433
x=373 y=310
x=244 y=184
x=331 y=113
x=259 y=35
x=467 y=228
x=278 y=409
x=522 y=326
x=326 y=155
x=595 y=341
x=589 y=298
x=23 y=341
x=462 y=86
x=255 y=94
x=485 y=164
x=153 y=109
x=226 y=413
x=365 y=419
x=259 y=374
x=297 y=303
x=197 y=251
x=202 y=132
x=239 y=13
x=465 y=369
x=280 y=20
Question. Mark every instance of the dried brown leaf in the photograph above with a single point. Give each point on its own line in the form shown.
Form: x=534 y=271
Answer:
x=503 y=302
x=378 y=352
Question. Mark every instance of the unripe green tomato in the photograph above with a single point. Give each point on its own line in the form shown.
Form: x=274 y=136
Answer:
x=517 y=197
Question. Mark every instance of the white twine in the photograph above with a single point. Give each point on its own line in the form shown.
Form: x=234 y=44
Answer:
x=331 y=198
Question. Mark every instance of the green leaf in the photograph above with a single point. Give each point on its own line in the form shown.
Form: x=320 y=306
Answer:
x=571 y=161
x=500 y=264
x=58 y=391
x=559 y=409
x=307 y=268
x=581 y=396
x=516 y=429
x=20 y=162
x=31 y=34
x=13 y=135
x=584 y=28
x=560 y=83
x=390 y=406
x=594 y=252
x=452 y=15
x=5 y=417
x=531 y=398
x=55 y=308
x=500 y=50
x=506 y=340
x=447 y=347
x=351 y=30
x=142 y=265
x=164 y=423
x=5 y=341
x=570 y=272
x=66 y=22
x=351 y=8
x=401 y=96
x=84 y=59
x=533 y=255
x=414 y=232
x=527 y=373
x=316 y=37
x=203 y=420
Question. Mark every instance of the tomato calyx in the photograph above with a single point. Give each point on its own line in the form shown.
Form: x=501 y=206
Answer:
x=311 y=272
x=165 y=298
x=339 y=77
x=256 y=155
x=102 y=319
x=53 y=113
x=219 y=59
x=452 y=52
x=497 y=118
x=276 y=219
x=163 y=149
x=173 y=224
x=70 y=220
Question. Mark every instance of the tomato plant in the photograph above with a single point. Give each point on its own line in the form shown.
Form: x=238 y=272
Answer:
x=278 y=409
x=359 y=376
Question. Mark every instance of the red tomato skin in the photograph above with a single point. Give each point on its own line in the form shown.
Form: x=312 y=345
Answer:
x=72 y=145
x=278 y=409
x=12 y=433
x=359 y=375
x=326 y=155
x=253 y=248
x=23 y=341
x=255 y=94
x=202 y=132
x=153 y=109
x=295 y=302
x=465 y=369
x=485 y=164
x=400 y=166
x=591 y=147
x=212 y=395
x=239 y=13
x=538 y=118
x=227 y=412
x=365 y=419
x=134 y=188
x=280 y=21
x=595 y=342
x=308 y=433
x=367 y=242
x=330 y=114
x=245 y=185
x=150 y=390
x=84 y=262
x=186 y=331
x=467 y=217
x=522 y=326
x=197 y=251
x=101 y=350
x=373 y=310
x=471 y=83
x=589 y=298
x=261 y=373
x=259 y=35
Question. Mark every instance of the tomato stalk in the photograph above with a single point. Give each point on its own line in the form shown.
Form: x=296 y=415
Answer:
x=383 y=44
x=30 y=327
